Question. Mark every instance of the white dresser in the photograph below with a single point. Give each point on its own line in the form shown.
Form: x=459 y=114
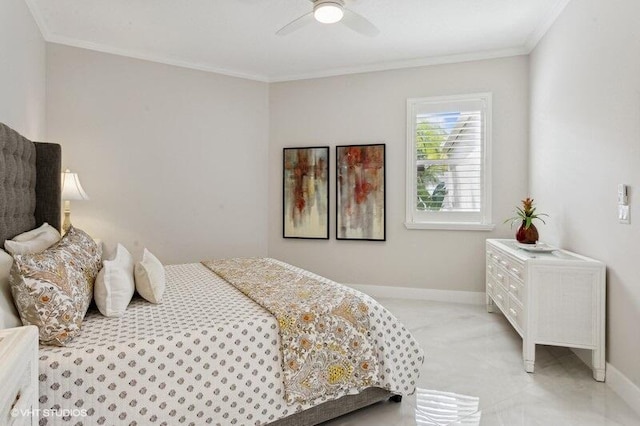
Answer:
x=555 y=298
x=19 y=376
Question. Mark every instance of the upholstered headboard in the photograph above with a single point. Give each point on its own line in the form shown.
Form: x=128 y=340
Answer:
x=29 y=183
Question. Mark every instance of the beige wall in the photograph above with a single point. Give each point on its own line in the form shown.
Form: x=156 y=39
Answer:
x=585 y=139
x=22 y=70
x=369 y=108
x=173 y=159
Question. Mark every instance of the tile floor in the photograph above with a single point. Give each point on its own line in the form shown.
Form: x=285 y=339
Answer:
x=473 y=354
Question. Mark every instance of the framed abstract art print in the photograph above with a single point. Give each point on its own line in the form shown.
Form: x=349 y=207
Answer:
x=360 y=192
x=306 y=192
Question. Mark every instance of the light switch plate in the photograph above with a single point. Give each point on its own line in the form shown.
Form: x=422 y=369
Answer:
x=623 y=197
x=623 y=215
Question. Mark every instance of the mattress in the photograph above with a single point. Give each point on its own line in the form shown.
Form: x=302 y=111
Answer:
x=206 y=355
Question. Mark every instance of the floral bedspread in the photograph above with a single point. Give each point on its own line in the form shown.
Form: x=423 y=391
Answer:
x=325 y=335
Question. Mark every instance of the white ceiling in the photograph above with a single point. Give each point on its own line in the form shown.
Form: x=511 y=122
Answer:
x=237 y=37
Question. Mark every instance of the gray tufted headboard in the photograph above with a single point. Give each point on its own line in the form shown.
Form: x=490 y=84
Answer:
x=29 y=183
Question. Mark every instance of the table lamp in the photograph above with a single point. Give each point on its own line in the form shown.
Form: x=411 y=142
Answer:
x=71 y=191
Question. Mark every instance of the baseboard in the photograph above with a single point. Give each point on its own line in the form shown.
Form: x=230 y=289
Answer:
x=453 y=296
x=618 y=382
x=625 y=388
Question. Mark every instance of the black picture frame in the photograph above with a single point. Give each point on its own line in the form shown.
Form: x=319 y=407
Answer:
x=361 y=203
x=305 y=192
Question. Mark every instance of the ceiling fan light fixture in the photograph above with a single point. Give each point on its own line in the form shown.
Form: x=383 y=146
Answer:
x=328 y=11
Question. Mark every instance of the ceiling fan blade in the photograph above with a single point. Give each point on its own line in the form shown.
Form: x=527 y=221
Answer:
x=296 y=24
x=359 y=23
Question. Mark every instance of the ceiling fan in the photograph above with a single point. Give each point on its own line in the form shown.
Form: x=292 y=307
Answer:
x=331 y=12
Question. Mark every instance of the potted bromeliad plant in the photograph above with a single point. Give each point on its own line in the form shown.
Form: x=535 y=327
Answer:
x=527 y=232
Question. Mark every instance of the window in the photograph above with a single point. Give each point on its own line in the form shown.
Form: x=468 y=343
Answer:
x=448 y=162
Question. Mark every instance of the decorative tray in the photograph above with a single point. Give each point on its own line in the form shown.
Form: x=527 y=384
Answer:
x=537 y=248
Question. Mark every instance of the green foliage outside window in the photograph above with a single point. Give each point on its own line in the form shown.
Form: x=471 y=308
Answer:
x=429 y=145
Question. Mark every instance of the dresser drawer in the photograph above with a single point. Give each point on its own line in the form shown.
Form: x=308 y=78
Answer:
x=516 y=269
x=501 y=297
x=491 y=285
x=510 y=264
x=492 y=268
x=515 y=313
x=495 y=256
x=502 y=278
x=516 y=289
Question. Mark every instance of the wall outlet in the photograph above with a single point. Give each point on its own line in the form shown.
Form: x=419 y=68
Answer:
x=623 y=215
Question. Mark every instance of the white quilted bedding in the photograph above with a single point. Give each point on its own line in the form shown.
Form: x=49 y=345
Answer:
x=206 y=355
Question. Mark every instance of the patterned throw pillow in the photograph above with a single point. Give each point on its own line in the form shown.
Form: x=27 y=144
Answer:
x=53 y=289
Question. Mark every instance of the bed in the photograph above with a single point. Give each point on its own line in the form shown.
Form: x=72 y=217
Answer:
x=207 y=355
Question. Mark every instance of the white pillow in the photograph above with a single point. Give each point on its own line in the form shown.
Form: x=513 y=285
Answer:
x=114 y=285
x=150 y=279
x=9 y=316
x=34 y=241
x=29 y=235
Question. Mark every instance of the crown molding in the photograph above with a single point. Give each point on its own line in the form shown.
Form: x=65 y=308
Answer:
x=551 y=17
x=385 y=66
x=411 y=63
x=129 y=53
x=37 y=16
x=69 y=41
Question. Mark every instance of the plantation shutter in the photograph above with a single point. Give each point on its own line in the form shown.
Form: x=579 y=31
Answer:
x=449 y=160
x=455 y=183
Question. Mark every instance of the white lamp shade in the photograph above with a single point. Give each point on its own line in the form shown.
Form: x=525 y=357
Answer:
x=71 y=188
x=328 y=11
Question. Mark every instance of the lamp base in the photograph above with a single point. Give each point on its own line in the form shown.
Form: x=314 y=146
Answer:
x=67 y=218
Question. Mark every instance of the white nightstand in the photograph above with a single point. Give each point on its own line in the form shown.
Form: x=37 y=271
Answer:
x=555 y=298
x=19 y=376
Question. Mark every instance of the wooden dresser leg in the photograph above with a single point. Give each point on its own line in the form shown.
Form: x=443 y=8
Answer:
x=529 y=355
x=599 y=367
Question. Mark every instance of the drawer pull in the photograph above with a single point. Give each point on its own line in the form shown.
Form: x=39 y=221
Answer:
x=503 y=263
x=489 y=285
x=490 y=267
x=515 y=271
x=500 y=277
x=513 y=312
x=513 y=287
x=499 y=296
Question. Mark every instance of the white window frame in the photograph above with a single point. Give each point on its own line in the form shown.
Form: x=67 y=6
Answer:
x=416 y=219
